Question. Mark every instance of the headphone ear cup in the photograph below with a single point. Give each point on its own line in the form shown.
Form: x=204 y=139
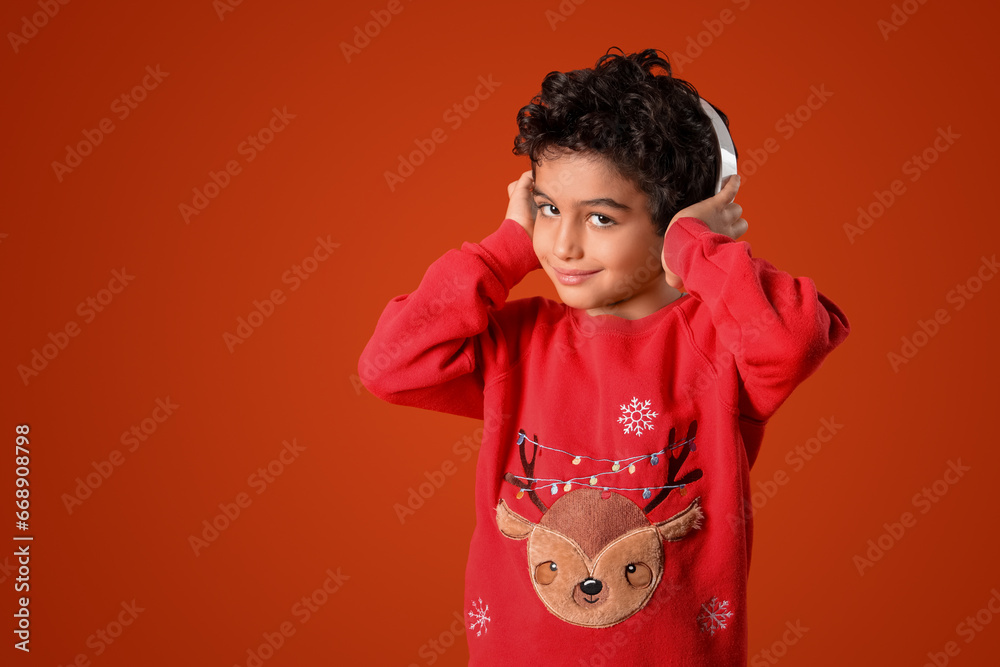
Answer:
x=726 y=153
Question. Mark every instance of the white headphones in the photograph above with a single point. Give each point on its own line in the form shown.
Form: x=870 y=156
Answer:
x=727 y=150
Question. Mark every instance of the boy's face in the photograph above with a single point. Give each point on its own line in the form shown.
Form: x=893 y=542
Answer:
x=611 y=238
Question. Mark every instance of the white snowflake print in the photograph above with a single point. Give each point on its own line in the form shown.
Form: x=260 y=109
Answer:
x=636 y=416
x=480 y=616
x=714 y=616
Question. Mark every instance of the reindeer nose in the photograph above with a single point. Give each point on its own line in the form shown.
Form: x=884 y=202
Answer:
x=591 y=586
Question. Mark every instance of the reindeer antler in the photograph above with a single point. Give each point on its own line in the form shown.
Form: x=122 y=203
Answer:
x=529 y=470
x=674 y=466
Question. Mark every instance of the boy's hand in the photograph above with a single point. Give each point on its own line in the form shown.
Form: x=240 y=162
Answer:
x=720 y=213
x=522 y=207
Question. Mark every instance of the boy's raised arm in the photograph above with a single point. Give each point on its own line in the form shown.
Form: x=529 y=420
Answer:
x=429 y=346
x=778 y=327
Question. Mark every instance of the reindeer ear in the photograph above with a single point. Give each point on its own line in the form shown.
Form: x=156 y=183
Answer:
x=682 y=523
x=511 y=524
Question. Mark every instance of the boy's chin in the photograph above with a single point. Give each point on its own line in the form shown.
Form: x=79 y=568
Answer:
x=580 y=299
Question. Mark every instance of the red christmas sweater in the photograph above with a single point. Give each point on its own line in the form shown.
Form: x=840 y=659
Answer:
x=612 y=485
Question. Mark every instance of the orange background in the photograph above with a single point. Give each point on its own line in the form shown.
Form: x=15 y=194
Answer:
x=332 y=507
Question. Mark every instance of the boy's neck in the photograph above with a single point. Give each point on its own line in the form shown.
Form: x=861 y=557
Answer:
x=640 y=305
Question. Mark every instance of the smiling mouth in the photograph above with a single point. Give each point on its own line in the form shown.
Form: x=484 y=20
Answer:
x=591 y=601
x=575 y=272
x=574 y=278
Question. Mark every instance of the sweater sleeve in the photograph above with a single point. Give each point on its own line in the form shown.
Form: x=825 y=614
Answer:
x=778 y=328
x=430 y=347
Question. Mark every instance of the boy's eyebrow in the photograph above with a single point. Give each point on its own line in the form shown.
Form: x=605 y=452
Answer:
x=600 y=201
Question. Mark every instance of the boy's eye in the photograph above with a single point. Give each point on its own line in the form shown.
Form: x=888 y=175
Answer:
x=607 y=222
x=602 y=220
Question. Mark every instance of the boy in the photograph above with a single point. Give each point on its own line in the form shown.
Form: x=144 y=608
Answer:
x=621 y=424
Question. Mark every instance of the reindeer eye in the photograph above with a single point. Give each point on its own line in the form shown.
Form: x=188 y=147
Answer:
x=638 y=574
x=546 y=573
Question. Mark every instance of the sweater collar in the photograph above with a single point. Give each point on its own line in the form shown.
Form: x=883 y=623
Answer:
x=590 y=324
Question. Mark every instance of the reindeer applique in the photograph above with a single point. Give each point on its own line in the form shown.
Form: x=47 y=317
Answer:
x=595 y=558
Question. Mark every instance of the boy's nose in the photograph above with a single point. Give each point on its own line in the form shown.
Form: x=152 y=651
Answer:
x=567 y=241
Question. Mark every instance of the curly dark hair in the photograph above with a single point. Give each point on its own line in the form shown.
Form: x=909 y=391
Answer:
x=650 y=127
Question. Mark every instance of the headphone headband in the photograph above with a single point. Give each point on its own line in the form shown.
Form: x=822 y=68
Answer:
x=727 y=150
